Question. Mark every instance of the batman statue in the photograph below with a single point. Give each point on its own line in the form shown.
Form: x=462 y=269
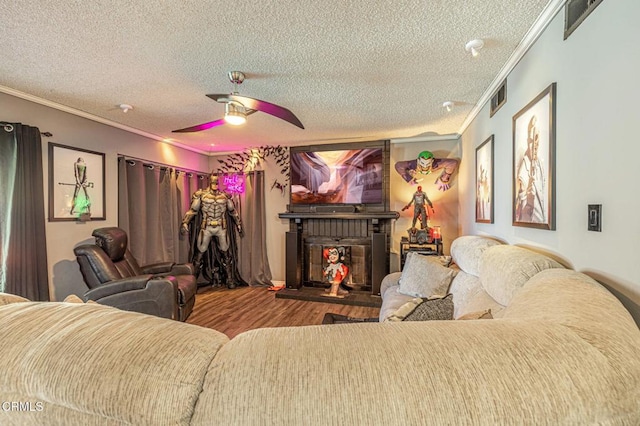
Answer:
x=212 y=235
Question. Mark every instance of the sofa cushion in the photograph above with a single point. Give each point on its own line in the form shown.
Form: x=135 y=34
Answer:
x=414 y=373
x=425 y=277
x=486 y=314
x=466 y=252
x=578 y=302
x=469 y=296
x=504 y=269
x=90 y=362
x=7 y=298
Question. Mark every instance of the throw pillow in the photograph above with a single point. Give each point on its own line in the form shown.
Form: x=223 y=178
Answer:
x=7 y=298
x=418 y=309
x=486 y=314
x=404 y=310
x=433 y=310
x=425 y=277
x=445 y=261
x=72 y=298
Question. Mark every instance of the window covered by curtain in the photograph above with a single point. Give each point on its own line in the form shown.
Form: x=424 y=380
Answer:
x=151 y=202
x=253 y=261
x=23 y=252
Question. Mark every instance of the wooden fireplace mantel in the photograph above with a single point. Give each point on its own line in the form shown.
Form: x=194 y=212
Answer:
x=339 y=215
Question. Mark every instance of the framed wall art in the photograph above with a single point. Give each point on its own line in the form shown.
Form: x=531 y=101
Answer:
x=534 y=162
x=76 y=184
x=484 y=181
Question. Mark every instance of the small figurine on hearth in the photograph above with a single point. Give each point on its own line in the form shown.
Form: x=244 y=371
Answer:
x=335 y=272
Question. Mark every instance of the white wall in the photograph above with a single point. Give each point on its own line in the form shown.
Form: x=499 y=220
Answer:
x=597 y=148
x=71 y=130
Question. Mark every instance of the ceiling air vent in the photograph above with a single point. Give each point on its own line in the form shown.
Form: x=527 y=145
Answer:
x=498 y=99
x=576 y=11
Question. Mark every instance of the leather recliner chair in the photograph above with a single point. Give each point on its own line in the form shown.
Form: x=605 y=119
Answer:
x=114 y=278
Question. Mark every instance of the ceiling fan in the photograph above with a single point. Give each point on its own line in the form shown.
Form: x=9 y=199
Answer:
x=237 y=108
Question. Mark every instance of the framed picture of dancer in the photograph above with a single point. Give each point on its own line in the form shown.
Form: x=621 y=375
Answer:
x=76 y=184
x=534 y=131
x=484 y=182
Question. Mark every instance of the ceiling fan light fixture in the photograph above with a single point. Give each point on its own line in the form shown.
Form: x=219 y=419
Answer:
x=474 y=47
x=234 y=114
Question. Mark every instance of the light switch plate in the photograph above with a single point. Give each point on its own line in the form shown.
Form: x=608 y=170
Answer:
x=594 y=217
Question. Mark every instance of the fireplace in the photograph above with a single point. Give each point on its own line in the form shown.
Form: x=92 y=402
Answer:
x=364 y=235
x=357 y=257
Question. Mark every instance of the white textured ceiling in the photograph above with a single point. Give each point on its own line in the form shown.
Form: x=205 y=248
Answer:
x=350 y=70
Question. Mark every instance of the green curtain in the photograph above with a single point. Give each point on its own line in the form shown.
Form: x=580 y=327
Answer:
x=23 y=248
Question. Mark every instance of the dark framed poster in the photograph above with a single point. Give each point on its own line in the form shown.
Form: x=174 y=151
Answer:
x=534 y=134
x=484 y=181
x=76 y=184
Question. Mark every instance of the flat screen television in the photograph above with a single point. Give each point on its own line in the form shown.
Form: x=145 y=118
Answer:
x=339 y=174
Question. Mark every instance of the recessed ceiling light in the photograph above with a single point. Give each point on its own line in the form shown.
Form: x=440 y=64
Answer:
x=474 y=47
x=125 y=107
x=448 y=105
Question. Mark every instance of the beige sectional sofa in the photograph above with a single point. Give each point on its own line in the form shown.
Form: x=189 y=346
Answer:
x=560 y=350
x=482 y=281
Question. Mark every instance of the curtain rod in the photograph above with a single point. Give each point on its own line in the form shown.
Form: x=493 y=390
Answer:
x=161 y=165
x=8 y=127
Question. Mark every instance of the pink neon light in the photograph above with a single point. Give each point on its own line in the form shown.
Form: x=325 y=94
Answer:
x=233 y=183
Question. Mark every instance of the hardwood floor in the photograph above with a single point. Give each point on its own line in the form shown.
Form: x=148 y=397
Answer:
x=246 y=308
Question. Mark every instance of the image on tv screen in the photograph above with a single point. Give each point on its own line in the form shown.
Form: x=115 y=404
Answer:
x=337 y=177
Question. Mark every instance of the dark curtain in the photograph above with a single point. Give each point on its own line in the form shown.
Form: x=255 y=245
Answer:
x=253 y=262
x=23 y=245
x=152 y=200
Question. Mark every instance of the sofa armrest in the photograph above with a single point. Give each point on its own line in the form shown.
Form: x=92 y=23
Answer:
x=158 y=268
x=142 y=293
x=138 y=282
x=390 y=280
x=183 y=269
x=169 y=268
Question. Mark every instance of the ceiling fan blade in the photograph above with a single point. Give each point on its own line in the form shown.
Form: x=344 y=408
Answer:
x=258 y=105
x=200 y=127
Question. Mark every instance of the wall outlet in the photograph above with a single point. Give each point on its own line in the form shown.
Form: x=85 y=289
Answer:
x=594 y=217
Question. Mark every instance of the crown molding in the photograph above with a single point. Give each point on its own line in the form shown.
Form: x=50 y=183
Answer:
x=83 y=114
x=448 y=137
x=549 y=12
